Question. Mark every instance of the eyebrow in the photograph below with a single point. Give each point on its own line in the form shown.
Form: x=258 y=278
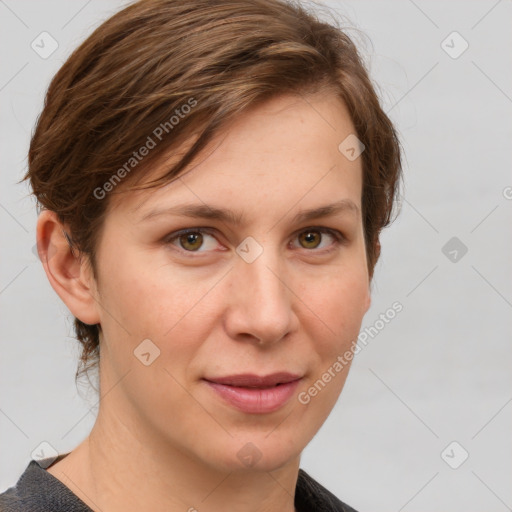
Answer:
x=203 y=211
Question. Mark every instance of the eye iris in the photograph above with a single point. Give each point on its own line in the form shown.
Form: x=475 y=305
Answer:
x=309 y=238
x=189 y=239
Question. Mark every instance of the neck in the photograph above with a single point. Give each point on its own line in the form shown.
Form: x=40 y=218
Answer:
x=121 y=466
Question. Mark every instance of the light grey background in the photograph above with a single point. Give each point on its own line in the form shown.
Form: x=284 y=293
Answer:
x=438 y=372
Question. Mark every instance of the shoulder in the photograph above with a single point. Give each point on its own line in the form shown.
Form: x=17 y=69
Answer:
x=38 y=490
x=310 y=496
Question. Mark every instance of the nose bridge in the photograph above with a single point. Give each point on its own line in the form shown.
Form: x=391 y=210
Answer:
x=262 y=275
x=263 y=299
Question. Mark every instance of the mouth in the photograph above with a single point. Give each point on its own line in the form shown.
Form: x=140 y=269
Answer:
x=255 y=394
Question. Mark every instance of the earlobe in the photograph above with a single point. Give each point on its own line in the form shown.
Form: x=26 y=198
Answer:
x=69 y=275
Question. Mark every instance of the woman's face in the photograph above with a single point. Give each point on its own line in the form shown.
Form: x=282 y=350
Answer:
x=261 y=291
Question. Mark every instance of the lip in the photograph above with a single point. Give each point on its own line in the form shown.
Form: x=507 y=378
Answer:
x=255 y=381
x=254 y=394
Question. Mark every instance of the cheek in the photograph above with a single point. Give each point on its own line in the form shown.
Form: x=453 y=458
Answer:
x=157 y=302
x=340 y=305
x=333 y=332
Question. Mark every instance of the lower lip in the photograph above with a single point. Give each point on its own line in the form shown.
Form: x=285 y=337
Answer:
x=254 y=400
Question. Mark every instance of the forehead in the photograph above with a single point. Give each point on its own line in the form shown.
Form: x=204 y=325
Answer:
x=285 y=150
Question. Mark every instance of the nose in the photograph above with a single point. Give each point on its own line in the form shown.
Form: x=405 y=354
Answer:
x=261 y=300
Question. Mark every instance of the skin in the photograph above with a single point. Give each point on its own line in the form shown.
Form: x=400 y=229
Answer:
x=163 y=440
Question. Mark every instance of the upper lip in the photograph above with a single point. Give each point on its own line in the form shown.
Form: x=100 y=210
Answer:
x=255 y=381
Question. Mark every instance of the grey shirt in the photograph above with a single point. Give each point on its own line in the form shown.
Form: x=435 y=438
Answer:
x=39 y=491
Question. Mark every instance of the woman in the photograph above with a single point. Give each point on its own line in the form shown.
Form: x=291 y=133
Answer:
x=213 y=179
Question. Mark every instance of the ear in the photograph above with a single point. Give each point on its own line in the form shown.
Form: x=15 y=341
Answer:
x=69 y=273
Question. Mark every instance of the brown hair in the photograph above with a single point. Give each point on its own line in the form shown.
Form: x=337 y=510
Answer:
x=131 y=79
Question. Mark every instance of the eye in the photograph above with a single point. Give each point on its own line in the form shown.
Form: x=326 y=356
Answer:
x=191 y=240
x=313 y=237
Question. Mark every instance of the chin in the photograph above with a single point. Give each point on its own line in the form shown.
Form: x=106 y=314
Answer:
x=258 y=452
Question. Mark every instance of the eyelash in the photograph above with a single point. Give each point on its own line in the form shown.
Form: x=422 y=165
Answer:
x=339 y=238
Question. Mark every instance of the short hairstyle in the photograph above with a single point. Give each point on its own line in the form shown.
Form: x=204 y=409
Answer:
x=162 y=72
